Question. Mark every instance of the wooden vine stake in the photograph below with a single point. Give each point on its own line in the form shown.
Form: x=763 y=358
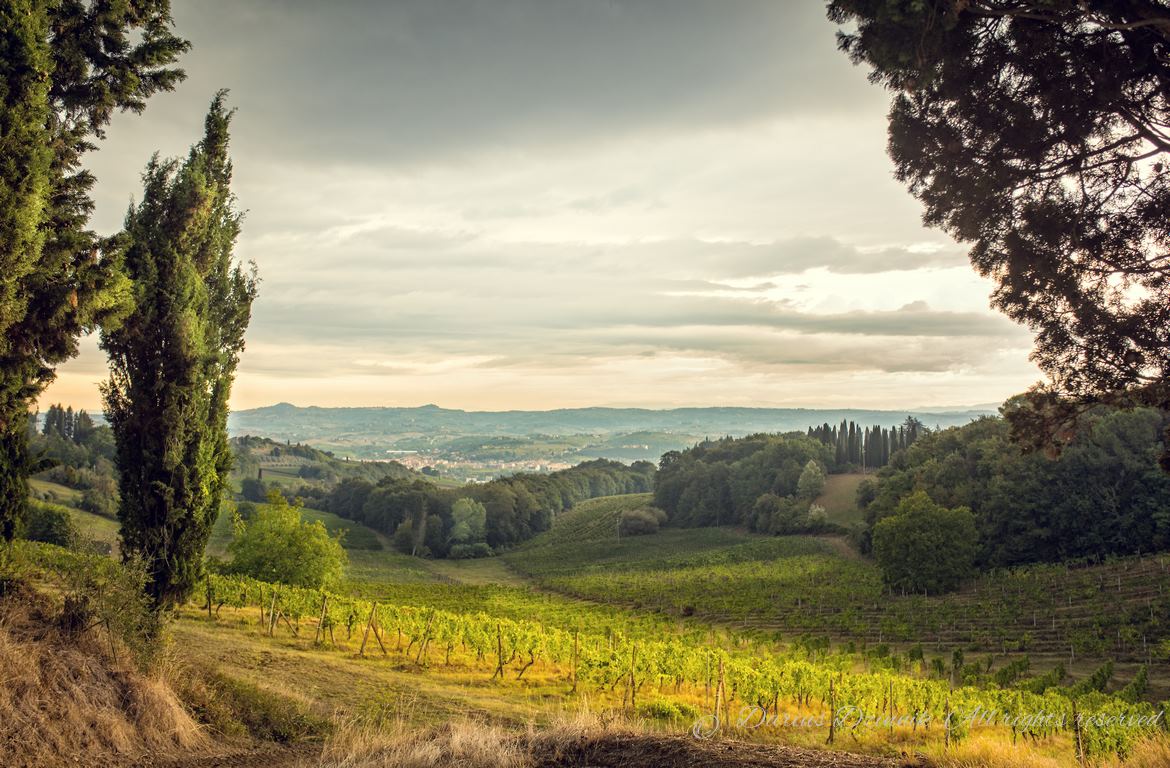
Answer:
x=499 y=654
x=1077 y=735
x=366 y=634
x=272 y=614
x=208 y=579
x=321 y=621
x=573 y=670
x=832 y=713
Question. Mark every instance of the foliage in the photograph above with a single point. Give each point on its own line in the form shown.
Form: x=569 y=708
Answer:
x=173 y=358
x=1036 y=131
x=641 y=521
x=49 y=523
x=719 y=482
x=925 y=547
x=468 y=521
x=603 y=657
x=1103 y=496
x=277 y=545
x=421 y=515
x=65 y=68
x=811 y=482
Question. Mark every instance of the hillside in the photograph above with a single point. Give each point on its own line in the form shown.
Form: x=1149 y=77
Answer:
x=805 y=586
x=569 y=435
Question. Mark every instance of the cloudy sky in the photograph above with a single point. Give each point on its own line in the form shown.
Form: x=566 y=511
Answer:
x=546 y=203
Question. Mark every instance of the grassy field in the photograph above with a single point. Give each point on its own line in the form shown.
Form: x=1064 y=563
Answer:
x=54 y=492
x=840 y=499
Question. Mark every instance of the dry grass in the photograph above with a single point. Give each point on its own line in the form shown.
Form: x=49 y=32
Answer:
x=997 y=753
x=63 y=699
x=1152 y=753
x=453 y=745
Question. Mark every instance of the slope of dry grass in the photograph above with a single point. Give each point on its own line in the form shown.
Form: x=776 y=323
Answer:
x=65 y=700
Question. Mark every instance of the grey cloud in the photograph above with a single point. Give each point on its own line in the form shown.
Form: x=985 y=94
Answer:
x=369 y=81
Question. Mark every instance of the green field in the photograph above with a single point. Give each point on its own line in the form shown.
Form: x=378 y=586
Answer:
x=798 y=586
x=840 y=499
x=58 y=494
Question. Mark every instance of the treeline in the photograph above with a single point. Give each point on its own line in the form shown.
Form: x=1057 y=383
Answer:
x=476 y=520
x=313 y=466
x=1104 y=495
x=857 y=447
x=73 y=450
x=765 y=482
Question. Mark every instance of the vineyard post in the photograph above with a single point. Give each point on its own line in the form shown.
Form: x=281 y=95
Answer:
x=720 y=691
x=633 y=680
x=1077 y=736
x=576 y=651
x=366 y=634
x=499 y=654
x=272 y=614
x=947 y=723
x=321 y=621
x=207 y=577
x=707 y=685
x=890 y=702
x=832 y=712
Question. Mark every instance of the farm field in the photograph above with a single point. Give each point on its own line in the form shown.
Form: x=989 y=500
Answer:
x=789 y=587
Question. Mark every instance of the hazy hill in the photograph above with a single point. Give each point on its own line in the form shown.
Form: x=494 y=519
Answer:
x=372 y=431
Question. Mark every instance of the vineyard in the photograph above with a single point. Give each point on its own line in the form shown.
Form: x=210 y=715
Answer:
x=653 y=671
x=793 y=586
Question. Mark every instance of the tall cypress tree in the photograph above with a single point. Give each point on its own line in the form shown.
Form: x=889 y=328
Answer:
x=173 y=359
x=65 y=67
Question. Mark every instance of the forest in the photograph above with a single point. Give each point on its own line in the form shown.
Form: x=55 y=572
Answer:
x=422 y=516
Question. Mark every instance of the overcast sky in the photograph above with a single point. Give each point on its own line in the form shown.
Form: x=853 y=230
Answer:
x=532 y=204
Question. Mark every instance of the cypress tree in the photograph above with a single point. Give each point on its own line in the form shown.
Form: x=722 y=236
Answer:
x=173 y=360
x=65 y=67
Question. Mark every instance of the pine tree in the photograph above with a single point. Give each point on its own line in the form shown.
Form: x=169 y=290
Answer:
x=65 y=67
x=173 y=360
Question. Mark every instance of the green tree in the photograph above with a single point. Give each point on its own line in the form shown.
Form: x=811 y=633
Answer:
x=65 y=67
x=173 y=359
x=277 y=545
x=469 y=521
x=925 y=546
x=1036 y=131
x=811 y=482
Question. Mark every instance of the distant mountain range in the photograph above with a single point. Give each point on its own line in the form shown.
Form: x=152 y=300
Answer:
x=378 y=432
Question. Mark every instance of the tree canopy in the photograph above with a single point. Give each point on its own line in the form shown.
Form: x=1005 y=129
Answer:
x=65 y=67
x=1104 y=495
x=277 y=545
x=925 y=547
x=1037 y=131
x=173 y=359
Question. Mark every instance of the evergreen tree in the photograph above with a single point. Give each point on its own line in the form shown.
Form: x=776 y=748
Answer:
x=1036 y=131
x=64 y=68
x=173 y=359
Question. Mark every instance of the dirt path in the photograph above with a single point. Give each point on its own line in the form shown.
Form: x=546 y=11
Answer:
x=611 y=751
x=660 y=751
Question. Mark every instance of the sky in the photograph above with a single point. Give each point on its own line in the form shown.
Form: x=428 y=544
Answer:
x=532 y=204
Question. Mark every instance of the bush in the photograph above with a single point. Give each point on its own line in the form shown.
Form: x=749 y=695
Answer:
x=277 y=545
x=925 y=546
x=668 y=710
x=49 y=523
x=470 y=551
x=641 y=521
x=99 y=503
